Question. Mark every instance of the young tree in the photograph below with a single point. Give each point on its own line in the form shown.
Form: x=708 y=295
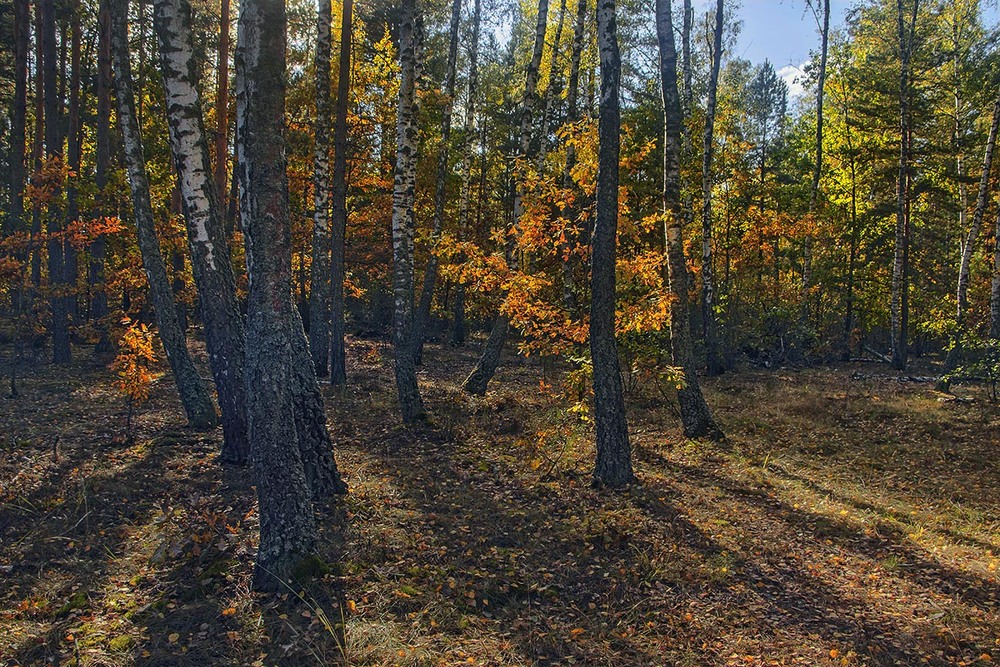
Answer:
x=319 y=303
x=210 y=257
x=712 y=354
x=614 y=453
x=194 y=395
x=338 y=222
x=489 y=360
x=695 y=414
x=404 y=186
x=287 y=526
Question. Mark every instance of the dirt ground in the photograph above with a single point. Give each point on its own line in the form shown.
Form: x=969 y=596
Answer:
x=853 y=519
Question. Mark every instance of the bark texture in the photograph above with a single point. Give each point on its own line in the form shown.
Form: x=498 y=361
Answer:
x=95 y=280
x=614 y=452
x=319 y=298
x=18 y=128
x=338 y=221
x=404 y=185
x=713 y=356
x=572 y=235
x=194 y=395
x=222 y=105
x=695 y=414
x=210 y=257
x=287 y=526
x=489 y=360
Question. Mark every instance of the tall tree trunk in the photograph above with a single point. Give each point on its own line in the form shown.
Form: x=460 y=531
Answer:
x=969 y=246
x=222 y=107
x=338 y=356
x=553 y=91
x=423 y=315
x=74 y=149
x=458 y=328
x=489 y=361
x=900 y=266
x=713 y=356
x=995 y=286
x=194 y=395
x=18 y=127
x=287 y=526
x=687 y=68
x=818 y=164
x=319 y=301
x=614 y=453
x=695 y=414
x=37 y=147
x=404 y=186
x=95 y=279
x=572 y=234
x=210 y=258
x=59 y=326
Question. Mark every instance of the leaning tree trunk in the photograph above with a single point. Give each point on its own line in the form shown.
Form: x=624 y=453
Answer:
x=95 y=274
x=404 y=186
x=458 y=328
x=818 y=164
x=489 y=361
x=195 y=397
x=572 y=234
x=319 y=301
x=713 y=356
x=695 y=414
x=338 y=222
x=969 y=246
x=900 y=283
x=210 y=258
x=287 y=526
x=423 y=314
x=614 y=453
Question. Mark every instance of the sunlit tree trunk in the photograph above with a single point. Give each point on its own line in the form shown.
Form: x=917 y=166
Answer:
x=807 y=258
x=404 y=186
x=553 y=91
x=489 y=360
x=458 y=328
x=194 y=395
x=338 y=222
x=695 y=414
x=319 y=302
x=423 y=313
x=287 y=526
x=210 y=258
x=712 y=354
x=614 y=453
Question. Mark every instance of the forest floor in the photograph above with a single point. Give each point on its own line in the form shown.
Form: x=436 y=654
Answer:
x=853 y=520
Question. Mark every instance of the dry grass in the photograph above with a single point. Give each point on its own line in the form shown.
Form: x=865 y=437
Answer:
x=853 y=522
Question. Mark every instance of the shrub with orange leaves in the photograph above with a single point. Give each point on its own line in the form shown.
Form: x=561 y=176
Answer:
x=131 y=366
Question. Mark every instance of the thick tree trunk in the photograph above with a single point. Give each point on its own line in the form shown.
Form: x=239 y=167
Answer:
x=404 y=186
x=614 y=453
x=287 y=526
x=210 y=258
x=695 y=414
x=319 y=301
x=18 y=126
x=969 y=246
x=900 y=266
x=95 y=279
x=713 y=356
x=195 y=397
x=338 y=223
x=818 y=164
x=458 y=327
x=423 y=315
x=489 y=361
x=222 y=107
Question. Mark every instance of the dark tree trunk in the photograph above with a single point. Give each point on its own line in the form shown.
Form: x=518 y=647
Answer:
x=194 y=395
x=410 y=403
x=572 y=234
x=423 y=314
x=74 y=148
x=489 y=360
x=210 y=257
x=695 y=414
x=222 y=107
x=338 y=221
x=614 y=453
x=98 y=290
x=18 y=125
x=319 y=297
x=713 y=356
x=287 y=526
x=553 y=91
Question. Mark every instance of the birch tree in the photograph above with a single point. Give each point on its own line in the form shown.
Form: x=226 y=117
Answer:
x=614 y=453
x=712 y=353
x=695 y=414
x=194 y=395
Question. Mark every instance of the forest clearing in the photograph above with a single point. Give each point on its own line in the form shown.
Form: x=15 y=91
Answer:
x=848 y=522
